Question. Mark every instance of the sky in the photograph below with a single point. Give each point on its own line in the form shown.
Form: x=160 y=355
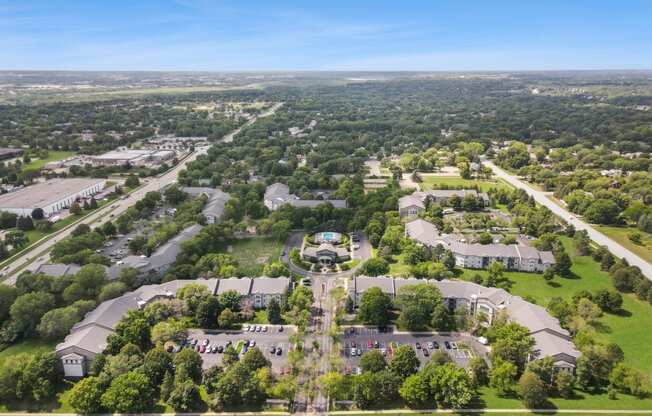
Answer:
x=204 y=35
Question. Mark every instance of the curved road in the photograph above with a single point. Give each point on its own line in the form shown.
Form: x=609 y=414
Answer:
x=541 y=197
x=39 y=255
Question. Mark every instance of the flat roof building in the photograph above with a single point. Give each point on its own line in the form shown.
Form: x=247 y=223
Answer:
x=51 y=196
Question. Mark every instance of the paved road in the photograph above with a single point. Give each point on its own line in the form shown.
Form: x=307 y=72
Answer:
x=595 y=235
x=113 y=210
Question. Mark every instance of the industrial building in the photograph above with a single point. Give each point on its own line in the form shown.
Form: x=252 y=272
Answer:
x=51 y=196
x=132 y=157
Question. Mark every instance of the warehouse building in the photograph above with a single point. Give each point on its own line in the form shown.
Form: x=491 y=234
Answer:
x=51 y=196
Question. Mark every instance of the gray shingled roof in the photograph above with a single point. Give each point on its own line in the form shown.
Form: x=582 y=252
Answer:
x=269 y=285
x=425 y=233
x=313 y=203
x=216 y=203
x=277 y=190
x=109 y=313
x=409 y=201
x=242 y=286
x=92 y=339
x=363 y=283
x=58 y=269
x=550 y=345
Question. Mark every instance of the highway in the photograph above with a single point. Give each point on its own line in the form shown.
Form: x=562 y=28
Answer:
x=39 y=255
x=542 y=198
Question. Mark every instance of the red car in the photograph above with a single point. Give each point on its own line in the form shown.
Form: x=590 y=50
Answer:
x=370 y=344
x=202 y=349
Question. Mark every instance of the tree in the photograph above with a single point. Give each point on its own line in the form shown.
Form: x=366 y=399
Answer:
x=532 y=390
x=280 y=230
x=372 y=361
x=544 y=369
x=132 y=181
x=185 y=397
x=275 y=269
x=608 y=300
x=17 y=239
x=37 y=214
x=405 y=362
x=254 y=360
x=502 y=376
x=109 y=229
x=167 y=386
x=174 y=195
x=479 y=371
x=25 y=223
x=602 y=211
x=375 y=266
x=374 y=308
x=417 y=303
x=230 y=356
x=563 y=264
x=452 y=386
x=129 y=393
x=273 y=312
x=193 y=294
x=129 y=276
x=87 y=283
x=75 y=209
x=565 y=384
x=86 y=396
x=230 y=300
x=495 y=272
x=57 y=323
x=27 y=310
x=8 y=295
x=112 y=290
x=588 y=310
x=207 y=312
x=227 y=319
x=155 y=364
x=191 y=361
x=334 y=385
x=511 y=343
x=415 y=390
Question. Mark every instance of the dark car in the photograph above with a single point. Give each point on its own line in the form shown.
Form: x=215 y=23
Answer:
x=376 y=344
x=418 y=345
x=279 y=351
x=435 y=345
x=280 y=329
x=447 y=345
x=425 y=352
x=220 y=349
x=272 y=350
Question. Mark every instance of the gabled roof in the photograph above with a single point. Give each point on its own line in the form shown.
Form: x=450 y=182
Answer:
x=410 y=201
x=215 y=205
x=269 y=285
x=425 y=233
x=242 y=286
x=533 y=317
x=109 y=313
x=91 y=339
x=549 y=345
x=313 y=203
x=363 y=283
x=277 y=190
x=58 y=269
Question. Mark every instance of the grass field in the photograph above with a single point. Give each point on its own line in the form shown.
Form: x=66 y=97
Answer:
x=252 y=254
x=434 y=182
x=30 y=346
x=619 y=234
x=630 y=329
x=53 y=155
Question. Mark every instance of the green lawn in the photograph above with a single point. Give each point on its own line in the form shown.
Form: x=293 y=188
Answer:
x=252 y=254
x=30 y=346
x=36 y=164
x=399 y=268
x=434 y=182
x=619 y=234
x=630 y=330
x=490 y=400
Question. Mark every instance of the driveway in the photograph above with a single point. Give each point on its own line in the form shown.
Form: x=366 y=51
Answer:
x=595 y=235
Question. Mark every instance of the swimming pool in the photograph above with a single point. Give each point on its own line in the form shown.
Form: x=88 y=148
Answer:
x=328 y=237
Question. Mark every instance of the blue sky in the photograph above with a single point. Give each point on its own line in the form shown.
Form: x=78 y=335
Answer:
x=325 y=35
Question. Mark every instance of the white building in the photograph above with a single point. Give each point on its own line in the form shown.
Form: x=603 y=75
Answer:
x=51 y=196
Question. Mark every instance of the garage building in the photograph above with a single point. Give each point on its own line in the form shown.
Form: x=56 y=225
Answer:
x=51 y=196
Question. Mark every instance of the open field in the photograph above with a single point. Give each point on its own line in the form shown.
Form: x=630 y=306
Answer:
x=434 y=182
x=619 y=234
x=629 y=329
x=53 y=155
x=252 y=254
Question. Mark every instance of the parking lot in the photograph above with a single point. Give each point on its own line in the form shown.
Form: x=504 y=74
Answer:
x=358 y=340
x=263 y=340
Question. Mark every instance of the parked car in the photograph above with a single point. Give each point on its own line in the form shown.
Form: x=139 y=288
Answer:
x=264 y=329
x=205 y=342
x=376 y=344
x=258 y=328
x=220 y=349
x=272 y=350
x=245 y=328
x=418 y=345
x=279 y=351
x=431 y=345
x=435 y=345
x=280 y=328
x=447 y=345
x=425 y=352
x=202 y=349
